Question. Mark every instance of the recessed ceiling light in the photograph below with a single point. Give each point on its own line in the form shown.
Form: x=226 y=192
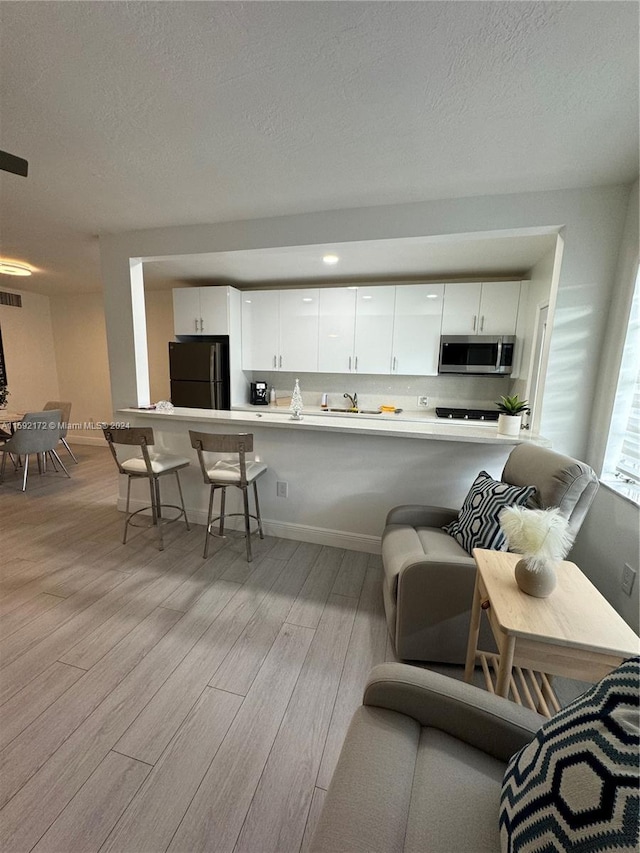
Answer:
x=367 y=297
x=248 y=301
x=330 y=259
x=11 y=268
x=432 y=295
x=307 y=299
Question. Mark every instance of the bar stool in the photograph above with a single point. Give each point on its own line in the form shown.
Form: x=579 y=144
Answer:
x=225 y=473
x=150 y=466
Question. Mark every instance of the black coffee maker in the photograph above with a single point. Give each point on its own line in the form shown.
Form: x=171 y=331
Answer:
x=259 y=394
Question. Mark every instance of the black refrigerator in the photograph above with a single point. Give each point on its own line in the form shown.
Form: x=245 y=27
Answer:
x=199 y=373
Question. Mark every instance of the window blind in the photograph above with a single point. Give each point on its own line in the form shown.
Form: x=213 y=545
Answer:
x=628 y=464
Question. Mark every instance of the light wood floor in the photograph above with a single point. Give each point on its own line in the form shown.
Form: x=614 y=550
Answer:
x=155 y=701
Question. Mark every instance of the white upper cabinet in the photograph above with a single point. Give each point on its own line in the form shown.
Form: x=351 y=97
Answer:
x=374 y=329
x=416 y=329
x=337 y=329
x=260 y=329
x=201 y=310
x=299 y=316
x=280 y=330
x=490 y=308
x=499 y=307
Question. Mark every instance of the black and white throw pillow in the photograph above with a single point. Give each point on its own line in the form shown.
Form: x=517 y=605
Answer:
x=574 y=788
x=477 y=524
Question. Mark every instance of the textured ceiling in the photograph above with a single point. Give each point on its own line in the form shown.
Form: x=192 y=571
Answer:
x=143 y=114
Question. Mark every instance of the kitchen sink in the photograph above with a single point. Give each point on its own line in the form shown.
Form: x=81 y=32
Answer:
x=356 y=411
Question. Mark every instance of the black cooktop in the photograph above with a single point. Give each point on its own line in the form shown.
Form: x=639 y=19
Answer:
x=467 y=414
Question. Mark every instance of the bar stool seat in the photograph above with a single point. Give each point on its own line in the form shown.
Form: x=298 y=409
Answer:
x=151 y=465
x=223 y=473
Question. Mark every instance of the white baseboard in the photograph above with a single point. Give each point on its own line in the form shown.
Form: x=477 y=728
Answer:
x=289 y=530
x=87 y=439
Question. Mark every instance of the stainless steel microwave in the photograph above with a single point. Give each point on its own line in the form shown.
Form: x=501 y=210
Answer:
x=481 y=354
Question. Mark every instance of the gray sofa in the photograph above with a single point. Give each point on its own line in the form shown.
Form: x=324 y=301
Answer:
x=421 y=767
x=429 y=577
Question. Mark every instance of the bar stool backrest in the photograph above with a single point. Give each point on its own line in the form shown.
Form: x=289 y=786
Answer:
x=138 y=436
x=205 y=442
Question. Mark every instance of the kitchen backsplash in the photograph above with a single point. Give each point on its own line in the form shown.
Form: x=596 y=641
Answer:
x=399 y=391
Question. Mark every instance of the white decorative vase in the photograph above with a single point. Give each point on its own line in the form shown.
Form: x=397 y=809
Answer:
x=509 y=424
x=540 y=583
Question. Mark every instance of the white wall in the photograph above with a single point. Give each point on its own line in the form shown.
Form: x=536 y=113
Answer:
x=591 y=221
x=81 y=356
x=610 y=535
x=607 y=540
x=27 y=335
x=159 y=312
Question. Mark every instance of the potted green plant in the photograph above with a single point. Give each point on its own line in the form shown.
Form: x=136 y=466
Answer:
x=4 y=393
x=510 y=418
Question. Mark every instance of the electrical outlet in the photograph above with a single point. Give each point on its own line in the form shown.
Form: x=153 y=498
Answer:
x=423 y=401
x=282 y=489
x=628 y=578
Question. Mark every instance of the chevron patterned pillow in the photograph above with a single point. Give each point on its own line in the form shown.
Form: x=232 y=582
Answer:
x=575 y=786
x=477 y=524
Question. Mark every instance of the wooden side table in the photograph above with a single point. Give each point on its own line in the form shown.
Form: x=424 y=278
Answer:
x=574 y=632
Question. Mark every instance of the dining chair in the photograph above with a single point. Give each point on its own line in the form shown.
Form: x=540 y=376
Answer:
x=65 y=408
x=149 y=465
x=39 y=433
x=223 y=473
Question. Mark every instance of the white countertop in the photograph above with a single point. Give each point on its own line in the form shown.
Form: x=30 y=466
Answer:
x=385 y=424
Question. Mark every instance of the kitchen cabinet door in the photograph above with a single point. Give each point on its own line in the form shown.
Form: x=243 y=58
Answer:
x=299 y=319
x=214 y=310
x=461 y=312
x=499 y=307
x=416 y=329
x=186 y=311
x=260 y=329
x=336 y=329
x=374 y=329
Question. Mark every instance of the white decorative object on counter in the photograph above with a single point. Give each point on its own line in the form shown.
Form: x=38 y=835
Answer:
x=164 y=406
x=296 y=405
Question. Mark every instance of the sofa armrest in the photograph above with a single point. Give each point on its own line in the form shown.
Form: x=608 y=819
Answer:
x=490 y=723
x=415 y=515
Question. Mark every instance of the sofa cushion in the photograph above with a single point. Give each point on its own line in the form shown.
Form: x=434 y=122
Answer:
x=455 y=797
x=575 y=786
x=477 y=525
x=403 y=545
x=402 y=787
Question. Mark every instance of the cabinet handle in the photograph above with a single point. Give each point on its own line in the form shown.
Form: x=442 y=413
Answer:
x=349 y=362
x=274 y=361
x=196 y=321
x=395 y=362
x=280 y=364
x=356 y=364
x=482 y=323
x=475 y=321
x=201 y=324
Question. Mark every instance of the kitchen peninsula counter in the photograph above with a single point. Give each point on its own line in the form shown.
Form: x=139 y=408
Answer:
x=385 y=424
x=343 y=473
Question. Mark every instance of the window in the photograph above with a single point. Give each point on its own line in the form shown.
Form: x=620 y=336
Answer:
x=622 y=462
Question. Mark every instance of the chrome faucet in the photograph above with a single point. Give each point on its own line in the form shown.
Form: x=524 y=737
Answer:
x=353 y=400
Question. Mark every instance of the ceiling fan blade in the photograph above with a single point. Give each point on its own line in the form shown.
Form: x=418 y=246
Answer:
x=13 y=164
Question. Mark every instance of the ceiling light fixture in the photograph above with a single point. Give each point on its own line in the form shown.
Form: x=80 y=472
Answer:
x=12 y=268
x=432 y=295
x=330 y=259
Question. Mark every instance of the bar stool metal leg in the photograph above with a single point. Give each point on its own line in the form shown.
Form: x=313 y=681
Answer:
x=209 y=517
x=247 y=523
x=126 y=512
x=184 y=510
x=223 y=499
x=258 y=516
